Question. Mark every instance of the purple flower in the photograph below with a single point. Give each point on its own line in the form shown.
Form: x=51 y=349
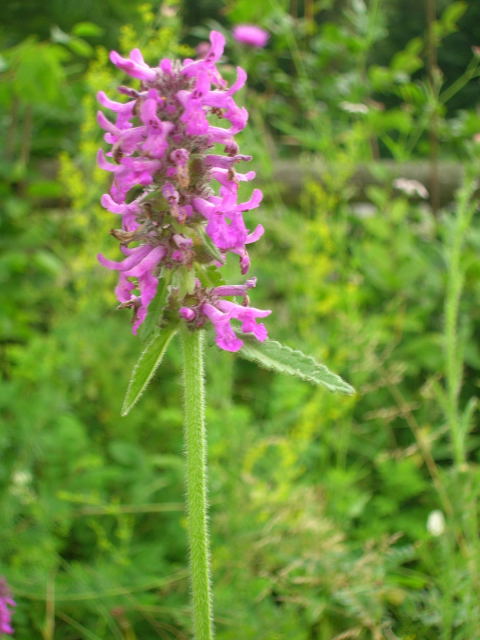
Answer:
x=209 y=305
x=251 y=34
x=6 y=602
x=225 y=224
x=221 y=317
x=134 y=65
x=169 y=190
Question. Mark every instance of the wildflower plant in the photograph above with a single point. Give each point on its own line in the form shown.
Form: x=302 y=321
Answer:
x=175 y=189
x=6 y=603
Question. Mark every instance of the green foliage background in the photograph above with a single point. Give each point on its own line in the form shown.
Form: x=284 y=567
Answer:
x=319 y=503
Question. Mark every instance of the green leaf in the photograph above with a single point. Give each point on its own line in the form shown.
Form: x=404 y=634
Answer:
x=146 y=366
x=277 y=357
x=80 y=47
x=38 y=73
x=452 y=15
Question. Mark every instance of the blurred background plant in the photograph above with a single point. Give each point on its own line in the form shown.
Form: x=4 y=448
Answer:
x=331 y=518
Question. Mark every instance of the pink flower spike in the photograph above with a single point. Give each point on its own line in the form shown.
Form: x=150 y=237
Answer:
x=251 y=35
x=171 y=188
x=6 y=601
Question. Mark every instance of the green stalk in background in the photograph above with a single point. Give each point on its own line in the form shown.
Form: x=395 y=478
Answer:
x=458 y=424
x=462 y=533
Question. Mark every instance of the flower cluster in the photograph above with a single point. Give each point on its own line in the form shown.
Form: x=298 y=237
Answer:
x=172 y=191
x=6 y=601
x=208 y=304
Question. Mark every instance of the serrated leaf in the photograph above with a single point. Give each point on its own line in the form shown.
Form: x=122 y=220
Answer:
x=146 y=366
x=277 y=357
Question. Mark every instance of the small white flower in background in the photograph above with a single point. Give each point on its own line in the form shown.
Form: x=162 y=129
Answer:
x=354 y=107
x=436 y=523
x=21 y=478
x=20 y=485
x=364 y=210
x=411 y=187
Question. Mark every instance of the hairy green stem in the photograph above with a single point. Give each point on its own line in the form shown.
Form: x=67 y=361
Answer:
x=196 y=473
